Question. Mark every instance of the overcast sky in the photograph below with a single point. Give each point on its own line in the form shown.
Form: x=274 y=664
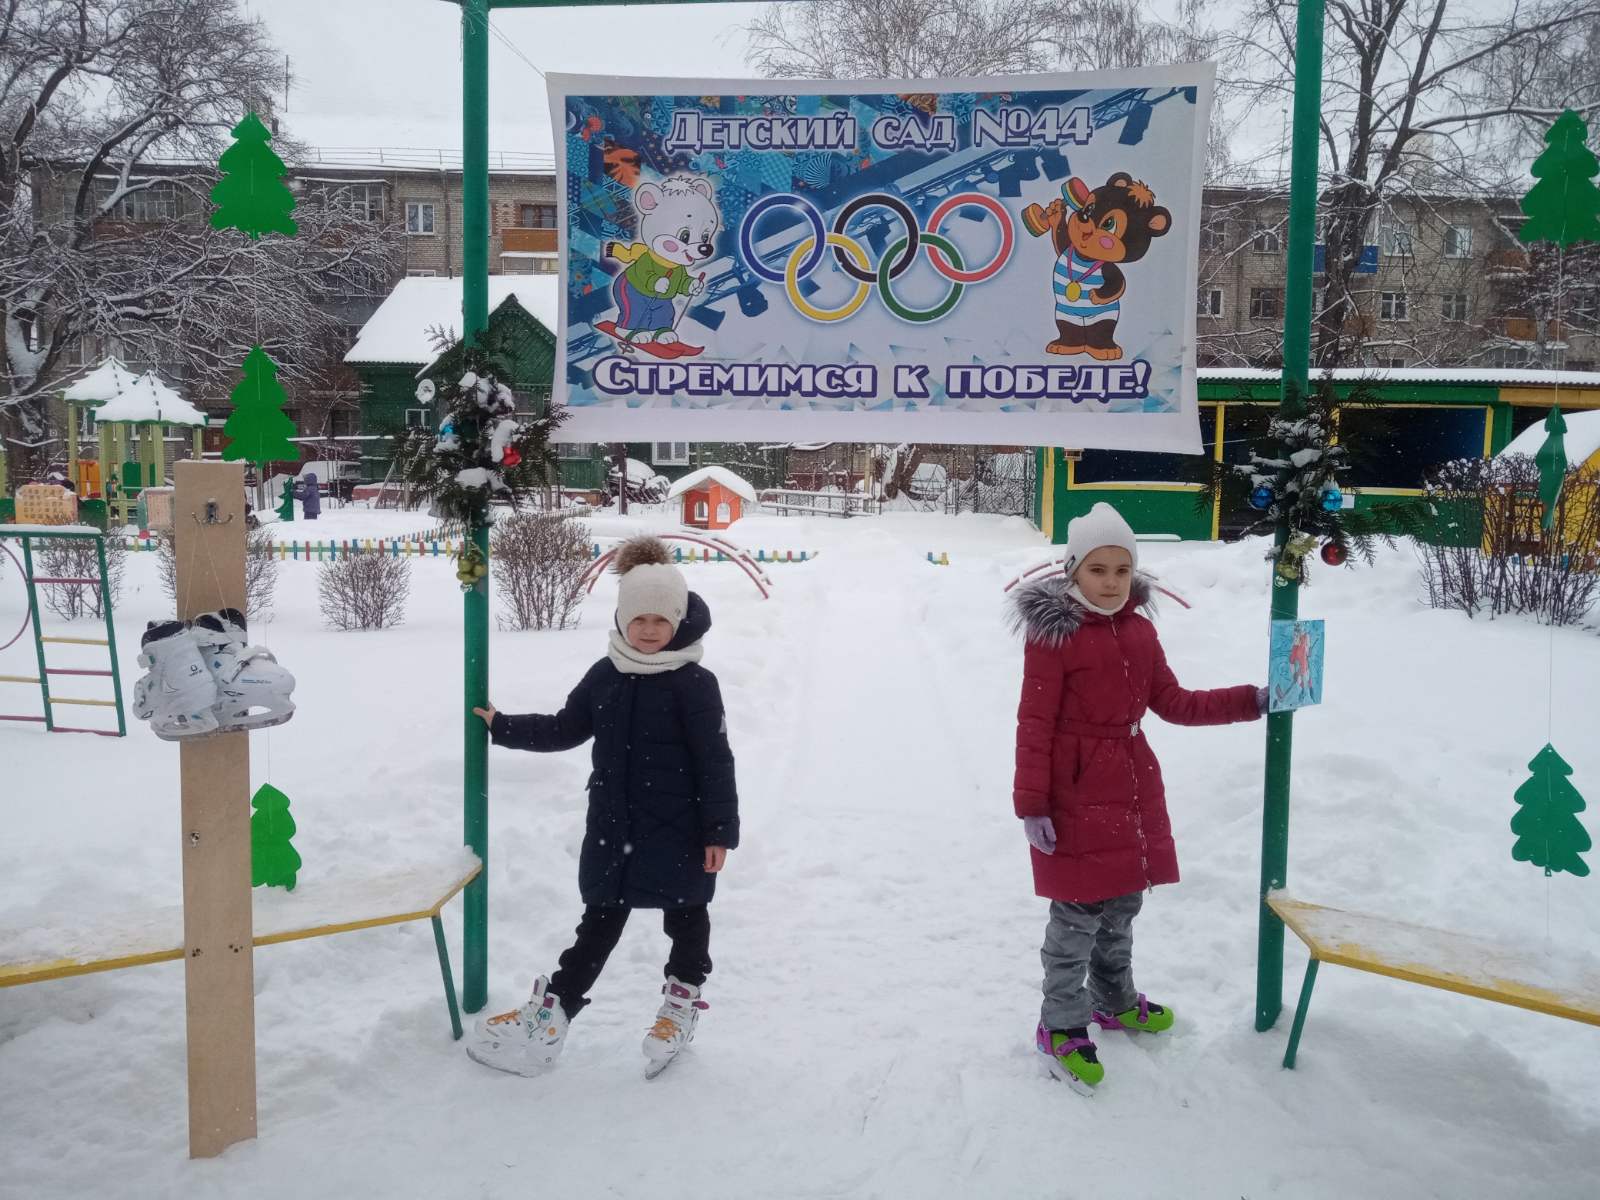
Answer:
x=386 y=73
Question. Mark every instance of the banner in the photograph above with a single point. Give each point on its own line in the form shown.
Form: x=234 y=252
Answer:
x=1002 y=261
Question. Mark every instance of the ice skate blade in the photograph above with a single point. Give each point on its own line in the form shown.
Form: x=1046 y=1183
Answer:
x=501 y=1060
x=1053 y=1066
x=655 y=1066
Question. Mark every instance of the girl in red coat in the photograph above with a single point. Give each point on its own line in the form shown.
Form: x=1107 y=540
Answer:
x=1088 y=788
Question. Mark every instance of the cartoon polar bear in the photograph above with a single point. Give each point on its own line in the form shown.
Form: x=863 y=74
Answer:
x=678 y=223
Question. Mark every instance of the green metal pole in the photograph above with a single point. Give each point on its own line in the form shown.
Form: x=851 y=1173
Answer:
x=38 y=630
x=474 y=320
x=111 y=633
x=1296 y=378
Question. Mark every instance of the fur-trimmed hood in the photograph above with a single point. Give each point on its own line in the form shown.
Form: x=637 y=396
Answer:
x=1043 y=611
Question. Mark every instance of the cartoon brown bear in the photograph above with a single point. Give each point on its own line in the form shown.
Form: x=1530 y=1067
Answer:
x=1092 y=232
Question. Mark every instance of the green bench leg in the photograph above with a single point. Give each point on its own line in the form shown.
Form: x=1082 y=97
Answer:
x=449 y=981
x=1299 y=1014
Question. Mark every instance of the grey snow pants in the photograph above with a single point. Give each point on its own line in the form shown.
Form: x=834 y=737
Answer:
x=1088 y=960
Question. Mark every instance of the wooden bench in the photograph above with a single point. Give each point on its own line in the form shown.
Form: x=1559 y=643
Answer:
x=315 y=908
x=1565 y=987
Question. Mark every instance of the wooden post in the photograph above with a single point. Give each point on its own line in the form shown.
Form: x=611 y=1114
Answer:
x=219 y=974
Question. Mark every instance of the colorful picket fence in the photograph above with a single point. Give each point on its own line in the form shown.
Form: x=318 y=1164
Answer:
x=328 y=551
x=679 y=555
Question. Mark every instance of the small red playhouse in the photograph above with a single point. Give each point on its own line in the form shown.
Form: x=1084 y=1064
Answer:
x=713 y=497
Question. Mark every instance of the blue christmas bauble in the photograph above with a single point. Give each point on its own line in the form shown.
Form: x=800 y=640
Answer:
x=1262 y=497
x=1332 y=499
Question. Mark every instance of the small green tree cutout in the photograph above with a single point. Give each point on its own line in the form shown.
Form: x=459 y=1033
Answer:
x=1562 y=207
x=258 y=431
x=1552 y=463
x=285 y=509
x=251 y=195
x=273 y=861
x=1549 y=834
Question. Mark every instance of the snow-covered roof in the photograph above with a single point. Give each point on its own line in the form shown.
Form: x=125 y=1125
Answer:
x=398 y=331
x=149 y=401
x=110 y=379
x=1458 y=375
x=717 y=475
x=1582 y=441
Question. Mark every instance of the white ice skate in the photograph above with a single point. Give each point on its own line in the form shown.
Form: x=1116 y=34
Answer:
x=674 y=1027
x=177 y=694
x=526 y=1040
x=248 y=677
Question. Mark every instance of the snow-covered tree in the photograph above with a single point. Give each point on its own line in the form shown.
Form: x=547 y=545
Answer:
x=112 y=116
x=1421 y=100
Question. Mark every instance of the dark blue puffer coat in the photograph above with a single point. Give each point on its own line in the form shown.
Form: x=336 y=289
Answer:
x=662 y=788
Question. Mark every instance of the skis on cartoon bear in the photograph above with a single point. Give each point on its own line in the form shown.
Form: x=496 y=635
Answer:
x=678 y=222
x=1094 y=233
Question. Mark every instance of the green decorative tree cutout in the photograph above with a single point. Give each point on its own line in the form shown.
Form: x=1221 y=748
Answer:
x=1549 y=834
x=258 y=431
x=1562 y=206
x=1552 y=463
x=273 y=861
x=285 y=509
x=251 y=195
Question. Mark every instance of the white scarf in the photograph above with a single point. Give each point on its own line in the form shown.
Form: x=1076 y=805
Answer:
x=635 y=662
x=1076 y=593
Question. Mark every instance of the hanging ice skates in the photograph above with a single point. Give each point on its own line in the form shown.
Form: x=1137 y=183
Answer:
x=203 y=678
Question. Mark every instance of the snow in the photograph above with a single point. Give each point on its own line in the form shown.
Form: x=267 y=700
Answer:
x=718 y=475
x=148 y=400
x=875 y=935
x=1517 y=377
x=1582 y=440
x=107 y=381
x=399 y=331
x=9 y=527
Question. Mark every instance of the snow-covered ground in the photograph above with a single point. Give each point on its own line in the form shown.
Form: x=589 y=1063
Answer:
x=876 y=936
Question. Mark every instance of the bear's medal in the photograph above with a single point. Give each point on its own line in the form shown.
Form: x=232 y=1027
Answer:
x=1074 y=290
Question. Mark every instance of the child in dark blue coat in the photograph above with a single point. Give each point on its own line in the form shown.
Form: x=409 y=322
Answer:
x=663 y=810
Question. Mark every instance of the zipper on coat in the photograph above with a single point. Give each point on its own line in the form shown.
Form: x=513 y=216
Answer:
x=1133 y=771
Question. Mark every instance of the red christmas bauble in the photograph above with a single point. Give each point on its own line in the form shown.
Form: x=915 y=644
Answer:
x=511 y=457
x=1333 y=554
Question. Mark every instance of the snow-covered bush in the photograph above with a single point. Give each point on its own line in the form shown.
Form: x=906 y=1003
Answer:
x=260 y=571
x=76 y=558
x=644 y=485
x=364 y=591
x=1485 y=550
x=539 y=565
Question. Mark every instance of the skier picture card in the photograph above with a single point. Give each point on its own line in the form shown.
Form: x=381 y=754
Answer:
x=1294 y=667
x=1007 y=260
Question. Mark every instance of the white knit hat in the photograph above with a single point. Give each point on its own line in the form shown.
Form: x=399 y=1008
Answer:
x=650 y=583
x=1102 y=525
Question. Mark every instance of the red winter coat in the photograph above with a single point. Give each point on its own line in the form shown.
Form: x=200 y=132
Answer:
x=1082 y=761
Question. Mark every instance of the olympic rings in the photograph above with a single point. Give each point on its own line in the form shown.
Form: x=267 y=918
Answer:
x=1008 y=238
x=920 y=316
x=900 y=209
x=792 y=280
x=764 y=205
x=851 y=257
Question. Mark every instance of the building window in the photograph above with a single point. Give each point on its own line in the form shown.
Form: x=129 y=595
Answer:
x=1388 y=360
x=1392 y=306
x=418 y=418
x=1210 y=302
x=1214 y=237
x=575 y=451
x=671 y=454
x=544 y=266
x=536 y=216
x=419 y=273
x=1458 y=241
x=1455 y=306
x=419 y=217
x=701 y=510
x=724 y=513
x=366 y=200
x=1510 y=357
x=341 y=422
x=1266 y=304
x=1585 y=304
x=1265 y=239
x=1397 y=239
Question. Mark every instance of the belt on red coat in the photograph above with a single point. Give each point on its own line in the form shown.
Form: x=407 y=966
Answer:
x=1083 y=729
